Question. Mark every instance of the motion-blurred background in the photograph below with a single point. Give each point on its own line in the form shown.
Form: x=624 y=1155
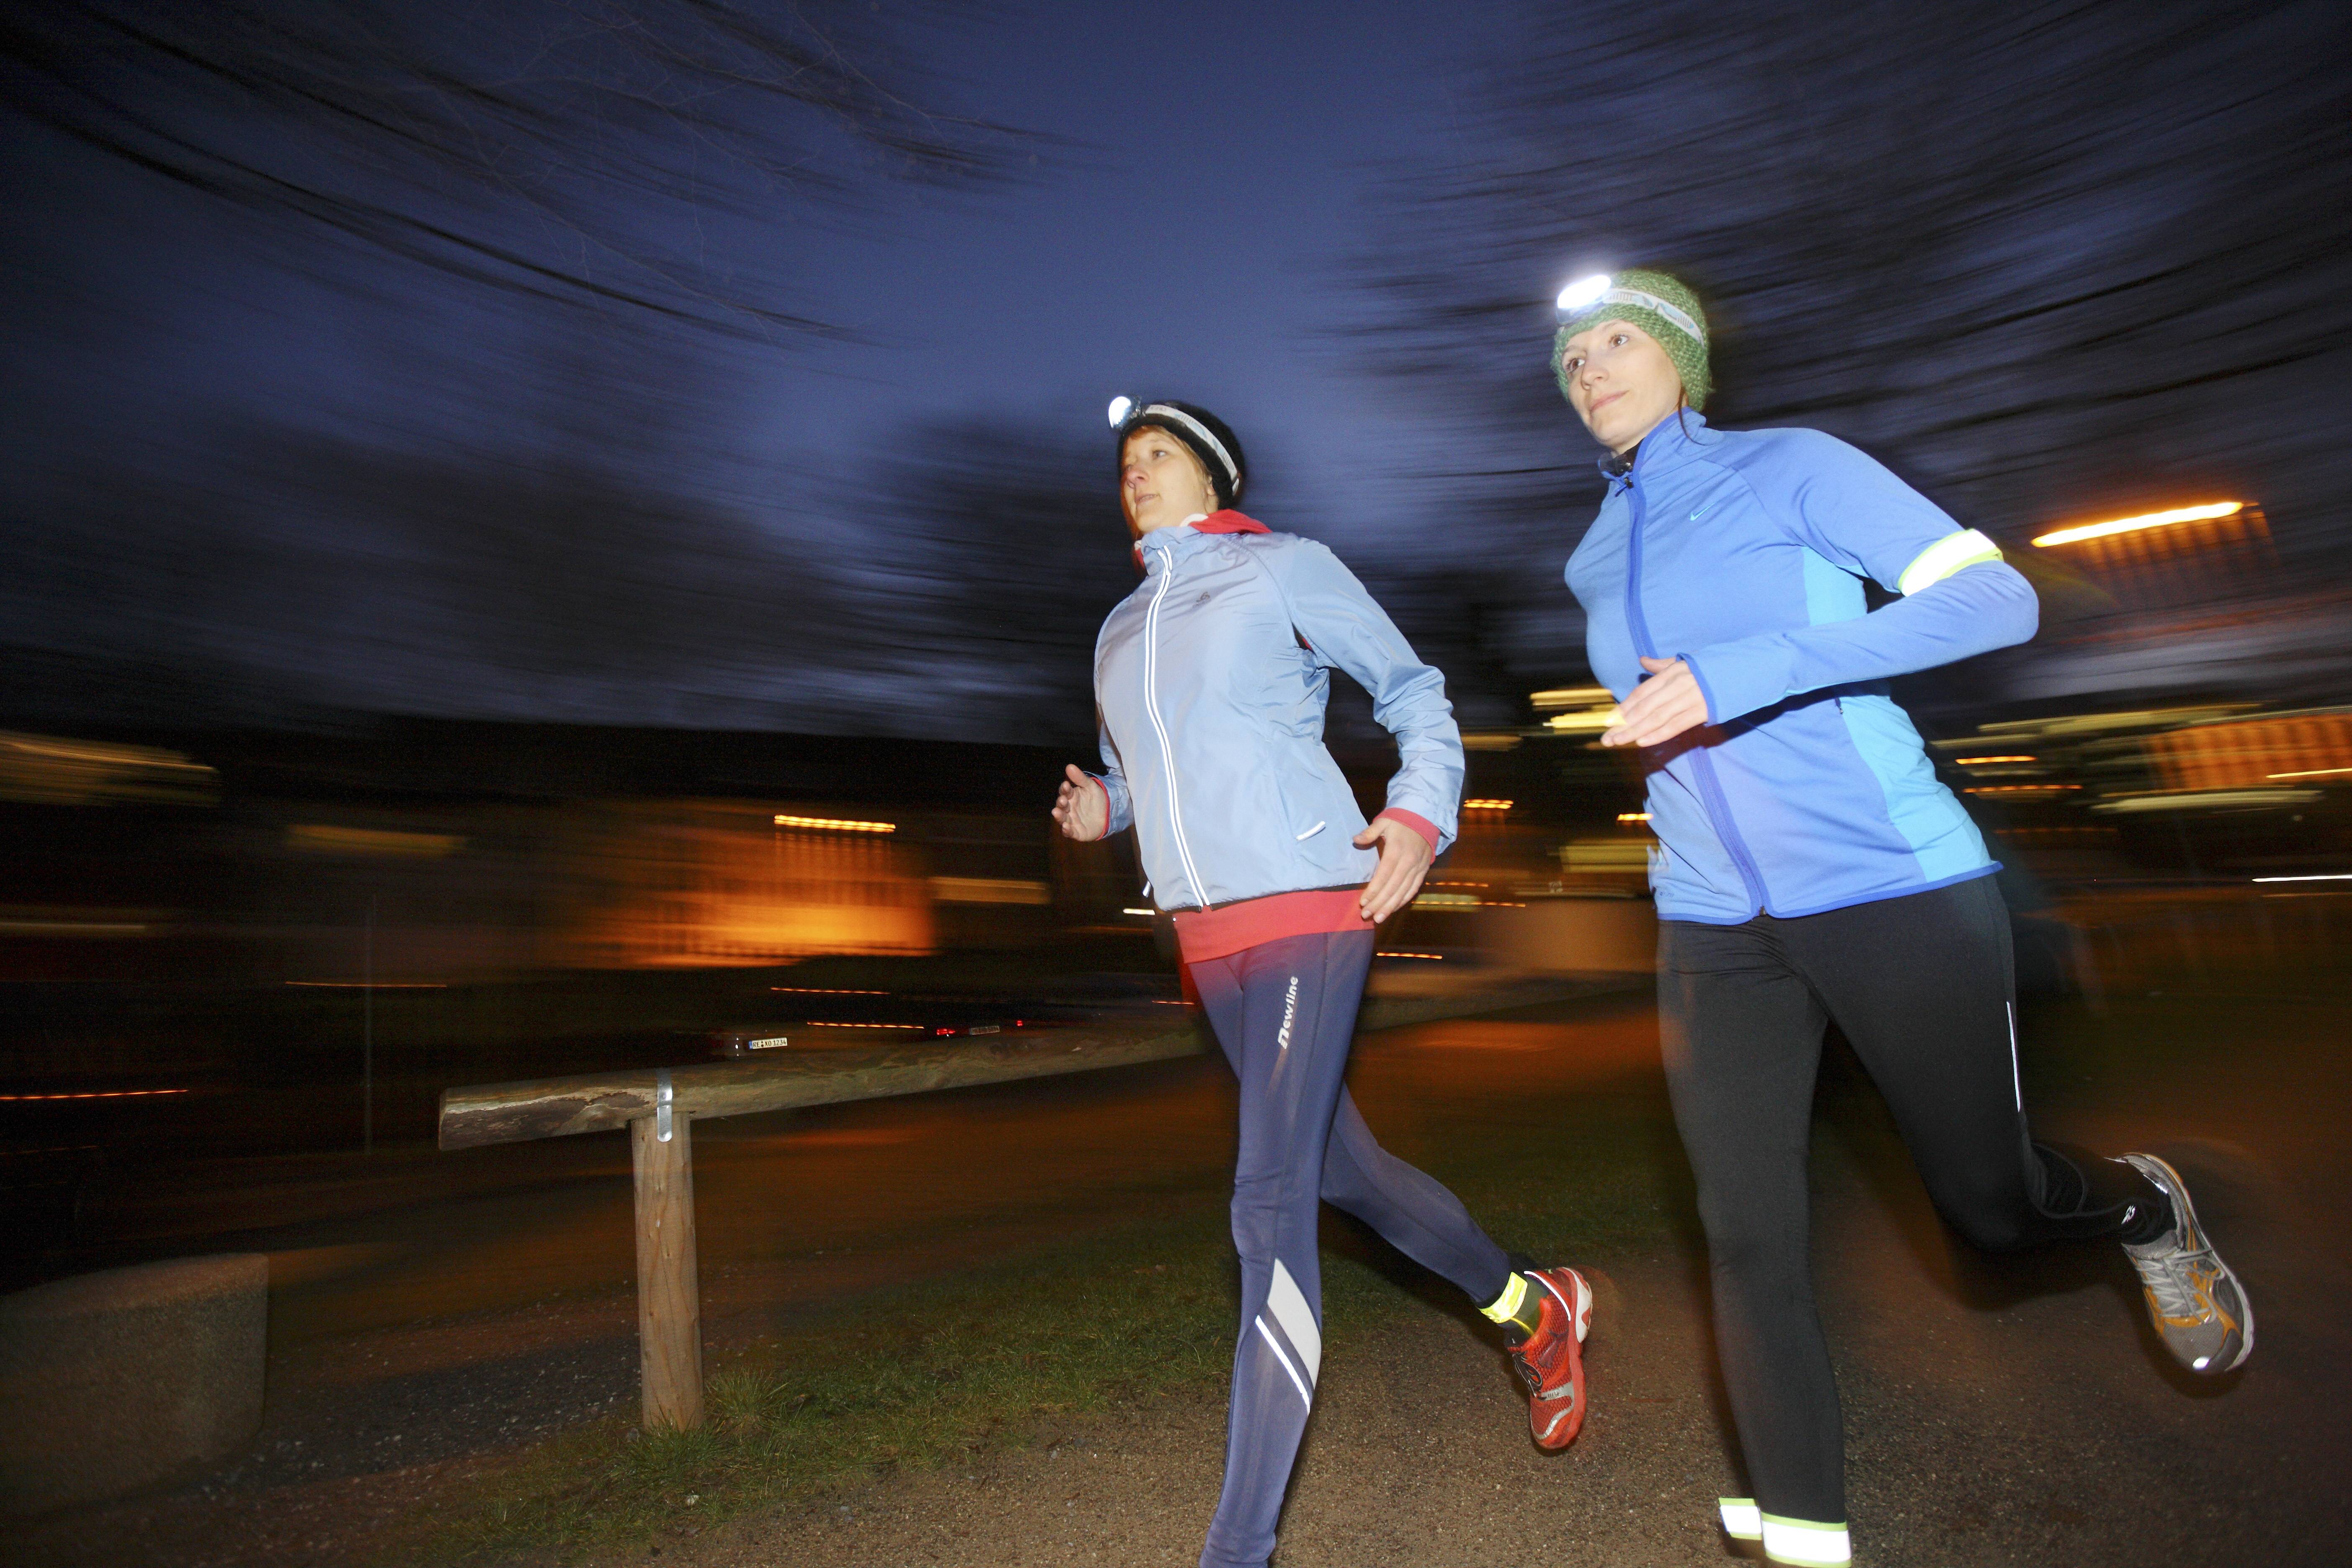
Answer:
x=536 y=536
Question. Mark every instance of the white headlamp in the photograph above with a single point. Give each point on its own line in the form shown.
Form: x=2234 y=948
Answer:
x=1123 y=409
x=1580 y=293
x=1581 y=296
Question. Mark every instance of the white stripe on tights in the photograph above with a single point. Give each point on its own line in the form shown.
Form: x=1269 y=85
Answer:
x=1289 y=1305
x=2016 y=1083
x=1267 y=1335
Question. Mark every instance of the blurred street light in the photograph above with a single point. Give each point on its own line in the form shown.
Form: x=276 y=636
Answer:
x=2146 y=520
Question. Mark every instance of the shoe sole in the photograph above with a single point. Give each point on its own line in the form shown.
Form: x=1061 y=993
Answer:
x=2179 y=1194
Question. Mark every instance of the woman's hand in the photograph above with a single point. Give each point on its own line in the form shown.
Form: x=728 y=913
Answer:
x=1083 y=808
x=1405 y=856
x=1660 y=708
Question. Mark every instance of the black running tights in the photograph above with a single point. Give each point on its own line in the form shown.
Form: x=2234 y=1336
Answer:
x=1923 y=987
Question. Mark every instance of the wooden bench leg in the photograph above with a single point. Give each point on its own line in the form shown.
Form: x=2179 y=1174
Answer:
x=669 y=1294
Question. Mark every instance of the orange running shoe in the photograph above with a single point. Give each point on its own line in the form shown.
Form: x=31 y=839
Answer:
x=1552 y=1360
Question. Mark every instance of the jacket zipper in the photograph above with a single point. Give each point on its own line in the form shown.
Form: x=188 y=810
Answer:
x=1160 y=728
x=1710 y=788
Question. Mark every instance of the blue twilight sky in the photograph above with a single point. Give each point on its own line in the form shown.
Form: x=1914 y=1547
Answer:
x=1194 y=226
x=1189 y=236
x=247 y=459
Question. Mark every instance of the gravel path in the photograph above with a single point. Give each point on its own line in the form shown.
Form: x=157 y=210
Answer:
x=2018 y=1413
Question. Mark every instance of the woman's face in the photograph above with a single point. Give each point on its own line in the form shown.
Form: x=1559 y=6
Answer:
x=1160 y=483
x=1620 y=381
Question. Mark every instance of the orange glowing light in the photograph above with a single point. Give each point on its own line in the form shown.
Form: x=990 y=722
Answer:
x=1432 y=957
x=97 y=1094
x=826 y=991
x=1988 y=761
x=1487 y=805
x=2146 y=520
x=2018 y=789
x=1632 y=816
x=2309 y=773
x=834 y=823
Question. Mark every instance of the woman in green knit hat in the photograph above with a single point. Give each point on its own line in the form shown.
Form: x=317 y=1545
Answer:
x=1811 y=867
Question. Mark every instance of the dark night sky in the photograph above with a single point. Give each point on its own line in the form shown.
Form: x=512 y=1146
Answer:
x=1214 y=197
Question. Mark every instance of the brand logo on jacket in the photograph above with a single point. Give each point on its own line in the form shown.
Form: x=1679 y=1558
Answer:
x=1289 y=1011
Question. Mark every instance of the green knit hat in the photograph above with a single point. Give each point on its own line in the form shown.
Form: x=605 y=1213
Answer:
x=1653 y=301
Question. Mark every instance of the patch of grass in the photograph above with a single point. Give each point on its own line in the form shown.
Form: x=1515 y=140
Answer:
x=917 y=1376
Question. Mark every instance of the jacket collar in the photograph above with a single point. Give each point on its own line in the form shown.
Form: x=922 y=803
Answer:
x=1183 y=537
x=1675 y=436
x=1227 y=521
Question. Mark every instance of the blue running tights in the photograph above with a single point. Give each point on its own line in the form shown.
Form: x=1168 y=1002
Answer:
x=1284 y=1011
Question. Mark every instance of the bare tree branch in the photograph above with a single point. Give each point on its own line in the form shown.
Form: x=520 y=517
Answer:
x=564 y=149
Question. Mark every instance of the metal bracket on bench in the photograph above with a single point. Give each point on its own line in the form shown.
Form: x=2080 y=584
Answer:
x=663 y=1097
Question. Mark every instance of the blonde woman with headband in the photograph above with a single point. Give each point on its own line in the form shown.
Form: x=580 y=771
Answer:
x=1811 y=867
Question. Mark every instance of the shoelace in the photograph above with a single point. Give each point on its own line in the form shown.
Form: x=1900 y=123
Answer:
x=1527 y=1368
x=2173 y=1281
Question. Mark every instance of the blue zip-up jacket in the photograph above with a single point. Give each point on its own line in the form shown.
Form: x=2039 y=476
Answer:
x=1210 y=685
x=1742 y=552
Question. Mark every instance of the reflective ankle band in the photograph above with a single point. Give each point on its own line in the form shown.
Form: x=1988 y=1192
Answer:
x=1506 y=1306
x=1801 y=1540
x=1741 y=1518
x=1945 y=556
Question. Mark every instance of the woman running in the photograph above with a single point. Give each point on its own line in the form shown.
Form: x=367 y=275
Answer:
x=1812 y=868
x=1210 y=685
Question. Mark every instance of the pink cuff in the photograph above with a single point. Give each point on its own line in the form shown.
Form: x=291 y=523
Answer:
x=1413 y=820
x=1096 y=781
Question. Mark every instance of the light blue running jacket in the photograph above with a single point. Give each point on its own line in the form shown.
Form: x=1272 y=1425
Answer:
x=1209 y=684
x=1743 y=553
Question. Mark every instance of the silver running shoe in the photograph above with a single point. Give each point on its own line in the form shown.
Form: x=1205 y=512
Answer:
x=2200 y=1311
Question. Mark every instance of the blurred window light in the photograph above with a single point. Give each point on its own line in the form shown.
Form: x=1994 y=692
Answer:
x=1607 y=855
x=328 y=838
x=1490 y=741
x=1446 y=901
x=2194 y=800
x=2147 y=520
x=990 y=891
x=833 y=824
x=2249 y=752
x=1133 y=911
x=97 y=1094
x=1988 y=761
x=73 y=923
x=1430 y=957
x=1571 y=697
x=2018 y=789
x=1632 y=816
x=47 y=770
x=2015 y=729
x=2322 y=877
x=1489 y=805
x=1594 y=721
x=826 y=991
